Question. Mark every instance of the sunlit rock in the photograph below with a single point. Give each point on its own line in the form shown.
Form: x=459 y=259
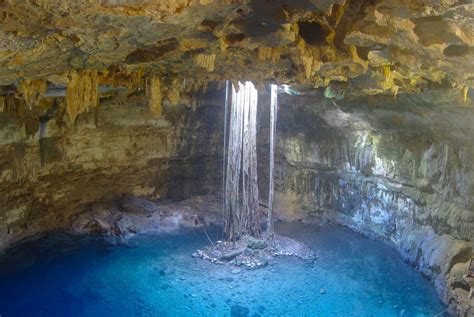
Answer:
x=113 y=116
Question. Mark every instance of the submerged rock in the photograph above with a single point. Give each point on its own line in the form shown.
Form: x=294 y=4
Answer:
x=239 y=311
x=131 y=215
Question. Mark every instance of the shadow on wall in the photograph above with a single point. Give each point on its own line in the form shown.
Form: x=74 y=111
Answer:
x=48 y=178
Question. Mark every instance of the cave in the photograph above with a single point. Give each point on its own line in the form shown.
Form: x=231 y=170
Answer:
x=236 y=158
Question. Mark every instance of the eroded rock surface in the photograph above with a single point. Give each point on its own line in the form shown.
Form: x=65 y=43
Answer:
x=101 y=99
x=403 y=177
x=60 y=169
x=132 y=215
x=254 y=253
x=351 y=47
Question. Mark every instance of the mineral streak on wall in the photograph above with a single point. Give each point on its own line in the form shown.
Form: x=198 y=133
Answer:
x=82 y=93
x=104 y=98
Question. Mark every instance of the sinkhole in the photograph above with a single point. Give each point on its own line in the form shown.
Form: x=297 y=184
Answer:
x=236 y=158
x=267 y=201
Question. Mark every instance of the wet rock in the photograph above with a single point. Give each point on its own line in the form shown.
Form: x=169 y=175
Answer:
x=256 y=244
x=239 y=311
x=229 y=255
x=237 y=262
x=425 y=211
x=137 y=205
x=261 y=262
x=123 y=227
x=248 y=252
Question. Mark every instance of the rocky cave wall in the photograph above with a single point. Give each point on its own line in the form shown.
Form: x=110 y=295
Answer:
x=51 y=169
x=399 y=170
x=391 y=155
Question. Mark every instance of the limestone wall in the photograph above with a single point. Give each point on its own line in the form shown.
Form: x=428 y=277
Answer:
x=403 y=177
x=58 y=169
x=401 y=171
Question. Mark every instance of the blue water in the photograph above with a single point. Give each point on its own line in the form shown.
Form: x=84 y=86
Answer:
x=156 y=276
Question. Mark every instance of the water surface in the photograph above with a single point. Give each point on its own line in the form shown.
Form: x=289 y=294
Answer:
x=156 y=276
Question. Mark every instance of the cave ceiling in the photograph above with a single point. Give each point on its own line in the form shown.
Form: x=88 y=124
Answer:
x=352 y=48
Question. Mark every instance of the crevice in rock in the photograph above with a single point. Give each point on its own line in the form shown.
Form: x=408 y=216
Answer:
x=151 y=53
x=312 y=32
x=458 y=50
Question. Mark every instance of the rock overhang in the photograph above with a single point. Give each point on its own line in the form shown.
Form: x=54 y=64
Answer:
x=350 y=48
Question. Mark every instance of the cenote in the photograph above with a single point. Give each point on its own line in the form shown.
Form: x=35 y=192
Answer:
x=154 y=275
x=237 y=158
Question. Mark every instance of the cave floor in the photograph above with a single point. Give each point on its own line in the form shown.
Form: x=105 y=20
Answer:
x=155 y=275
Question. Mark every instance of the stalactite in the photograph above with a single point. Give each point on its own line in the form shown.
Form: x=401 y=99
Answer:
x=32 y=90
x=136 y=81
x=223 y=45
x=206 y=61
x=310 y=58
x=308 y=65
x=356 y=59
x=388 y=83
x=266 y=53
x=173 y=92
x=155 y=96
x=395 y=90
x=133 y=81
x=82 y=92
x=194 y=103
x=276 y=54
x=387 y=73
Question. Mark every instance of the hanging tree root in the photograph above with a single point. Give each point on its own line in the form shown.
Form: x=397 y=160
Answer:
x=253 y=253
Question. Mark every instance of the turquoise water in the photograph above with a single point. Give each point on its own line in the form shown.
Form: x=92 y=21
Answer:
x=156 y=276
